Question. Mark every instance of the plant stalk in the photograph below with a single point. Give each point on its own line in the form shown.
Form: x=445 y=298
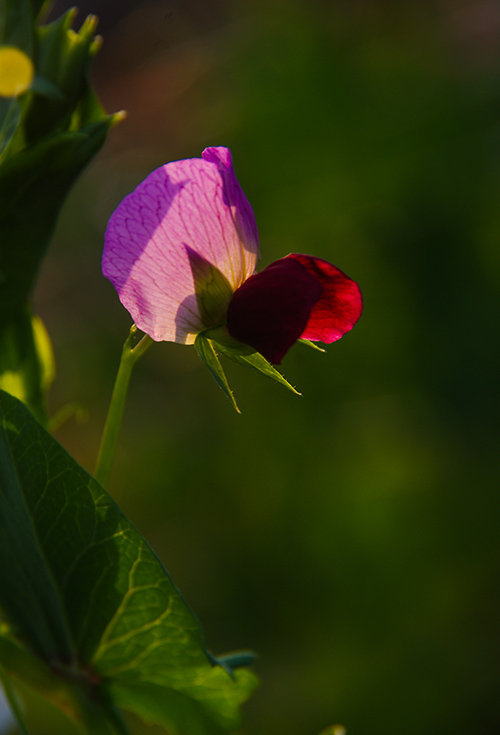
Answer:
x=132 y=350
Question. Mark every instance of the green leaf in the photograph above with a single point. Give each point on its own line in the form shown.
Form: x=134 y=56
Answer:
x=206 y=350
x=246 y=355
x=87 y=601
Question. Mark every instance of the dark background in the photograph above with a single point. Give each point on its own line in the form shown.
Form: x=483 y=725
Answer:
x=349 y=536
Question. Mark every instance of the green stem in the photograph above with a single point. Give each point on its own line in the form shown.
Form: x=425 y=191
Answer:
x=11 y=698
x=131 y=352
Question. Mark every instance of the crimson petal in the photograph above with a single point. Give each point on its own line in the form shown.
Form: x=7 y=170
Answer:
x=271 y=309
x=340 y=305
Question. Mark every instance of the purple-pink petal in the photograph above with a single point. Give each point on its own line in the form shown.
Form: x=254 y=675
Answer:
x=193 y=205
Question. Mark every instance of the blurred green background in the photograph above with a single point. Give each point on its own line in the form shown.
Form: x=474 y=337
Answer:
x=350 y=536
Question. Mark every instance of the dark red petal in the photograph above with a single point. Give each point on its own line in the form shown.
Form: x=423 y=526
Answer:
x=340 y=305
x=271 y=309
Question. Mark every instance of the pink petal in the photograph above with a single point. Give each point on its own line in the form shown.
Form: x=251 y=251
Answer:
x=340 y=305
x=241 y=210
x=271 y=309
x=190 y=206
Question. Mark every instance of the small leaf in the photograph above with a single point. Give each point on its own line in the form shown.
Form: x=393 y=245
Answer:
x=208 y=355
x=91 y=616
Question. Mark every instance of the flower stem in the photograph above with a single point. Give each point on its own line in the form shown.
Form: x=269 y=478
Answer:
x=132 y=350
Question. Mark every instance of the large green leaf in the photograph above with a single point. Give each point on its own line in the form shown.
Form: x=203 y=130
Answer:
x=83 y=594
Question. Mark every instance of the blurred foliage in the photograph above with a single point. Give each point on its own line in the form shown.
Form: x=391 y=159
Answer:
x=349 y=536
x=47 y=134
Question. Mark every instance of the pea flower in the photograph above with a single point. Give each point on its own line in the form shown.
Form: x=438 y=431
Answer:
x=181 y=251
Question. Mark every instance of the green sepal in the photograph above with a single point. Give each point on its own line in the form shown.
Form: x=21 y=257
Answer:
x=247 y=356
x=213 y=290
x=313 y=345
x=207 y=352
